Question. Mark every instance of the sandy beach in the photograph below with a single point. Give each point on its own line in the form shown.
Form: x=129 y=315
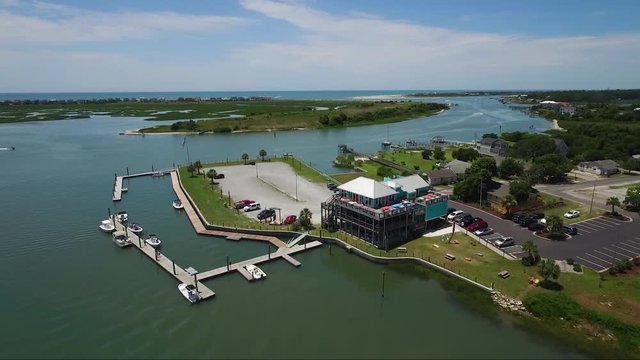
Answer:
x=556 y=126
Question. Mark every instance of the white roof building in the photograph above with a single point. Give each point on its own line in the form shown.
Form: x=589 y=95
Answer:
x=409 y=183
x=367 y=187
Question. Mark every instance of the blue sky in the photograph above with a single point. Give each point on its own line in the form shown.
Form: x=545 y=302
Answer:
x=161 y=45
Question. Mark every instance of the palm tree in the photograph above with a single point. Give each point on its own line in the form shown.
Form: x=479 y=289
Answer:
x=245 y=157
x=613 y=201
x=530 y=247
x=198 y=166
x=211 y=174
x=263 y=153
x=305 y=217
x=508 y=202
x=554 y=224
x=548 y=269
x=191 y=168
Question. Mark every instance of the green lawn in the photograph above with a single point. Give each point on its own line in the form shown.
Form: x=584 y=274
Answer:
x=568 y=205
x=625 y=186
x=412 y=158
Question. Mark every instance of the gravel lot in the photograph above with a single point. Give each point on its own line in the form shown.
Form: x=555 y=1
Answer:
x=275 y=186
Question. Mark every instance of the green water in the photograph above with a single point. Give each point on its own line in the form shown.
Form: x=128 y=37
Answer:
x=68 y=291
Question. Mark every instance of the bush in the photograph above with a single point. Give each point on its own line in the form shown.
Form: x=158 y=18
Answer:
x=577 y=268
x=222 y=129
x=613 y=270
x=570 y=261
x=416 y=167
x=636 y=261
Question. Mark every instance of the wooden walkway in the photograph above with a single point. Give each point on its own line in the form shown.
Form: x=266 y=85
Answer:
x=239 y=266
x=167 y=264
x=202 y=230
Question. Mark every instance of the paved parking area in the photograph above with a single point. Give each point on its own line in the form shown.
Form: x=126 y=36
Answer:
x=276 y=185
x=600 y=241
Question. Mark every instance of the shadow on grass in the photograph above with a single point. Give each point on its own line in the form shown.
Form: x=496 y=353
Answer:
x=551 y=285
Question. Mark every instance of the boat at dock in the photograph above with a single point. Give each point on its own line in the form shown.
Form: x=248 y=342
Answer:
x=189 y=292
x=107 y=226
x=256 y=272
x=153 y=240
x=177 y=204
x=121 y=238
x=124 y=189
x=135 y=228
x=159 y=173
x=122 y=216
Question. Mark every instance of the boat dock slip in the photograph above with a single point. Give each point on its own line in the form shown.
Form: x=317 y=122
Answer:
x=280 y=253
x=180 y=274
x=117 y=185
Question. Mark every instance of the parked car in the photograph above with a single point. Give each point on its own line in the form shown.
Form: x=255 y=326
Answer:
x=465 y=223
x=332 y=186
x=571 y=230
x=526 y=221
x=251 y=207
x=266 y=213
x=455 y=213
x=516 y=217
x=481 y=224
x=504 y=242
x=450 y=210
x=290 y=219
x=572 y=214
x=484 y=232
x=536 y=226
x=543 y=221
x=537 y=215
x=464 y=218
x=242 y=203
x=218 y=176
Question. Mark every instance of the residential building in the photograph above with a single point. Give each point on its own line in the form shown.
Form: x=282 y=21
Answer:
x=599 y=167
x=385 y=214
x=493 y=145
x=458 y=167
x=442 y=176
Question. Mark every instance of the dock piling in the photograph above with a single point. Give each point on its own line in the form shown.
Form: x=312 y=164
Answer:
x=269 y=251
x=152 y=168
x=227 y=262
x=174 y=266
x=109 y=210
x=383 y=284
x=195 y=280
x=127 y=171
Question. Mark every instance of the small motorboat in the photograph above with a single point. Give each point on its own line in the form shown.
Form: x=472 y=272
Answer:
x=122 y=216
x=135 y=228
x=121 y=239
x=107 y=226
x=190 y=293
x=124 y=189
x=153 y=240
x=177 y=204
x=256 y=272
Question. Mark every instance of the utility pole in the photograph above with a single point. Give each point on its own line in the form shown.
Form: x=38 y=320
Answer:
x=481 y=192
x=296 y=186
x=592 y=195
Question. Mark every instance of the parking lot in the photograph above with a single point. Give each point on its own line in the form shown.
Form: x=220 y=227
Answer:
x=273 y=185
x=600 y=241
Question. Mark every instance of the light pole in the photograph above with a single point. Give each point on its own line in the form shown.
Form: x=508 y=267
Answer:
x=481 y=192
x=592 y=195
x=256 y=169
x=296 y=186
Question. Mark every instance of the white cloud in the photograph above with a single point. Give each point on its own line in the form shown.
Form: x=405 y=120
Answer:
x=42 y=22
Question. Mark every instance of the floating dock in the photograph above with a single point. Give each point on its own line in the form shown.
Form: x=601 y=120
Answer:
x=117 y=184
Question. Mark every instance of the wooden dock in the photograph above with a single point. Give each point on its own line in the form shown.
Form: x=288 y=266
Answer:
x=167 y=264
x=117 y=184
x=284 y=253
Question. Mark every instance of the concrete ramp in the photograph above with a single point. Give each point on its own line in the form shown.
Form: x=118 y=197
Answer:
x=296 y=240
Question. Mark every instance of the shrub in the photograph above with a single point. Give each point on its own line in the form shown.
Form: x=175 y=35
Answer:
x=416 y=167
x=613 y=270
x=577 y=267
x=222 y=129
x=570 y=261
x=636 y=261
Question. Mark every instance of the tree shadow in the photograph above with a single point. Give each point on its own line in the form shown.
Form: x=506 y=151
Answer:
x=551 y=285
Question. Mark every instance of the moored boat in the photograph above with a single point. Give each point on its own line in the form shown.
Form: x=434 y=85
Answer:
x=107 y=226
x=135 y=228
x=256 y=272
x=153 y=240
x=177 y=204
x=190 y=293
x=121 y=239
x=122 y=216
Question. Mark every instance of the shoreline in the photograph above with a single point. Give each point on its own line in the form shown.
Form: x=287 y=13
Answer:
x=556 y=126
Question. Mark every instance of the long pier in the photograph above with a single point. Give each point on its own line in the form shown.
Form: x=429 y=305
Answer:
x=164 y=262
x=117 y=184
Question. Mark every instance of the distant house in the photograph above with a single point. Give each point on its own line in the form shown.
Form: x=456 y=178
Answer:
x=410 y=187
x=567 y=109
x=493 y=145
x=458 y=167
x=561 y=146
x=636 y=156
x=495 y=196
x=599 y=167
x=442 y=176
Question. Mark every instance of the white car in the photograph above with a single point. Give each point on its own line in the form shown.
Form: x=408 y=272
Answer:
x=454 y=214
x=572 y=214
x=251 y=207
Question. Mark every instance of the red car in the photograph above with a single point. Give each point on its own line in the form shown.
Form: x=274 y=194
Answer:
x=478 y=225
x=242 y=203
x=290 y=219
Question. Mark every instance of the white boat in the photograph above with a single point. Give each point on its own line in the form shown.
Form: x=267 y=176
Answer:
x=122 y=216
x=124 y=189
x=121 y=239
x=190 y=293
x=177 y=204
x=107 y=226
x=256 y=272
x=158 y=173
x=135 y=228
x=153 y=240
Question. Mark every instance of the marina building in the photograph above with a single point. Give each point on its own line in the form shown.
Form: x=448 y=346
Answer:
x=384 y=213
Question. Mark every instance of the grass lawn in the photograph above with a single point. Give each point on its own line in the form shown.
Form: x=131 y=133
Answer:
x=303 y=169
x=625 y=186
x=568 y=205
x=412 y=158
